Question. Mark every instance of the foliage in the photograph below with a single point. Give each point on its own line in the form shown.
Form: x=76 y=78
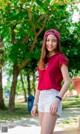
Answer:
x=18 y=23
x=71 y=87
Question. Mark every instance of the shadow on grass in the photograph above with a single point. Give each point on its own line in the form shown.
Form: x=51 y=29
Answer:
x=20 y=112
x=71 y=103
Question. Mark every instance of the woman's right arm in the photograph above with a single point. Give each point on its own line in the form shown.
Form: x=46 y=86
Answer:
x=36 y=98
x=33 y=111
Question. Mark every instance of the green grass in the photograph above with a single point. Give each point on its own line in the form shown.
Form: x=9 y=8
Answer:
x=19 y=113
x=71 y=103
x=70 y=124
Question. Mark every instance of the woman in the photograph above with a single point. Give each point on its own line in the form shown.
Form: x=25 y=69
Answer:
x=53 y=69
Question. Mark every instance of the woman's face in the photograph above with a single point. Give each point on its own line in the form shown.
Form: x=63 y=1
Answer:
x=51 y=43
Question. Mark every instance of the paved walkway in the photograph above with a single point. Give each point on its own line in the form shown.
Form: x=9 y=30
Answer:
x=36 y=130
x=31 y=125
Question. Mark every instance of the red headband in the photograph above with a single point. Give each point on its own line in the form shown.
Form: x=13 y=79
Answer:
x=52 y=31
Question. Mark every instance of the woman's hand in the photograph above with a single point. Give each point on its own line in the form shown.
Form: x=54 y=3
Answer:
x=33 y=111
x=54 y=106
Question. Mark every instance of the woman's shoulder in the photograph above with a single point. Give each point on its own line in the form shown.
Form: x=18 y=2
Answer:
x=58 y=56
x=62 y=59
x=61 y=55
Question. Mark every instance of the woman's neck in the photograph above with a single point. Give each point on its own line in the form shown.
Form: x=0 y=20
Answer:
x=51 y=54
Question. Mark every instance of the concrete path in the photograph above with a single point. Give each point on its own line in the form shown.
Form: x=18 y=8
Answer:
x=36 y=130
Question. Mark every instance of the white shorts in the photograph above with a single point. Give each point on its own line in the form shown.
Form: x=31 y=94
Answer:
x=46 y=98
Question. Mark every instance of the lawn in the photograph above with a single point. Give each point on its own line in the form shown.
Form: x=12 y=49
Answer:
x=19 y=112
x=71 y=102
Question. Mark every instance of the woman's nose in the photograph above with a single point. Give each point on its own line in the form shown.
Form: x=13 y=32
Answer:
x=50 y=42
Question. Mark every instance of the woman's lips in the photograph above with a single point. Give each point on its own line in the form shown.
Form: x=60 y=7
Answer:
x=50 y=47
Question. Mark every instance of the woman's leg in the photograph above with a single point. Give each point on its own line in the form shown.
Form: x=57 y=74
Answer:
x=48 y=123
x=41 y=114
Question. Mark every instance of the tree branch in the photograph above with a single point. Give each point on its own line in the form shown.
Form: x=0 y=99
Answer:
x=42 y=28
x=25 y=62
x=13 y=34
x=25 y=39
x=30 y=20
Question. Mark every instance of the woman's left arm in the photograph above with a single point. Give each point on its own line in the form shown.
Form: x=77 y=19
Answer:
x=66 y=80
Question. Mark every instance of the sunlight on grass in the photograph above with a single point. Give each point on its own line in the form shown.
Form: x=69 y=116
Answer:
x=71 y=103
x=70 y=123
x=19 y=113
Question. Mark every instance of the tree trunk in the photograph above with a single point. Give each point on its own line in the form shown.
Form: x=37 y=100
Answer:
x=25 y=98
x=29 y=88
x=34 y=82
x=13 y=88
x=1 y=89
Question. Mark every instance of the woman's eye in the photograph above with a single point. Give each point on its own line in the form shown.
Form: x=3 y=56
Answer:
x=47 y=40
x=51 y=40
